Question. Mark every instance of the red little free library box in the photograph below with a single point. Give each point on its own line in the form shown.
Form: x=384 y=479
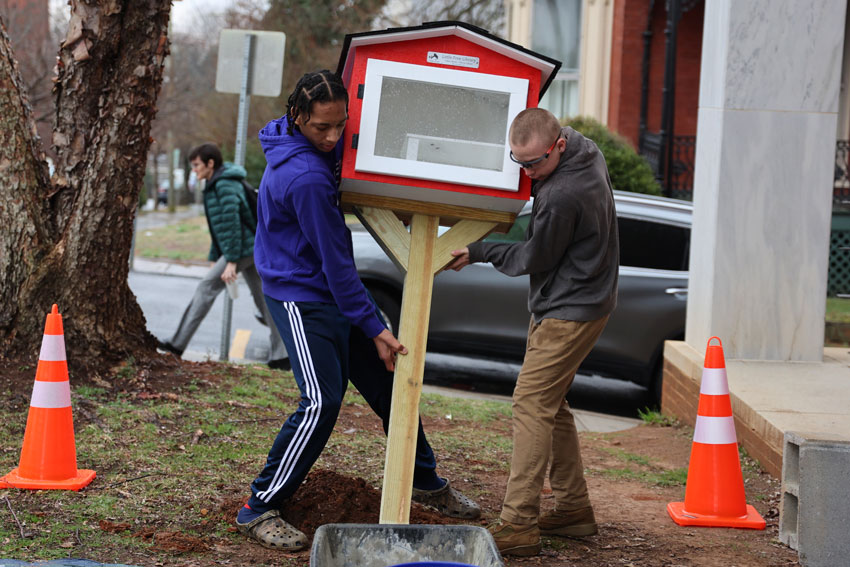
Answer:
x=429 y=112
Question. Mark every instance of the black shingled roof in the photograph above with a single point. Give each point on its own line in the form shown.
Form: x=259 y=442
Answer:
x=544 y=85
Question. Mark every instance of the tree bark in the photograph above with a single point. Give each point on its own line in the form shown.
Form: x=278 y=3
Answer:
x=66 y=239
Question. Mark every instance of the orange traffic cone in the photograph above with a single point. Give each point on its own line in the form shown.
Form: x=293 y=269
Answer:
x=714 y=495
x=49 y=454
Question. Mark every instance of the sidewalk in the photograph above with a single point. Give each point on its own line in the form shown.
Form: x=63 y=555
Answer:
x=585 y=420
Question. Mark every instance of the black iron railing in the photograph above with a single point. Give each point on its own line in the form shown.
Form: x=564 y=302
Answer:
x=681 y=183
x=841 y=183
x=650 y=148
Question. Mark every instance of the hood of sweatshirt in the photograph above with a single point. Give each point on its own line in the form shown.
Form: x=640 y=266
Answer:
x=279 y=146
x=579 y=153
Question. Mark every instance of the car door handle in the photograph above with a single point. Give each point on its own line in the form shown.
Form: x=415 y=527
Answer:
x=675 y=290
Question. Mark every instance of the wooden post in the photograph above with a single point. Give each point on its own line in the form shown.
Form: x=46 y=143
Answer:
x=407 y=385
x=420 y=254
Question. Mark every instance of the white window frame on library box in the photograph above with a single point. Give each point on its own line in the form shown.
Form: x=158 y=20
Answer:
x=507 y=179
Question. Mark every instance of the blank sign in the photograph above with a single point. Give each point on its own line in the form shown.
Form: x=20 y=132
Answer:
x=267 y=63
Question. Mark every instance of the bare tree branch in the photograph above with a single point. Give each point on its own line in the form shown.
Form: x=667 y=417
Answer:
x=15 y=517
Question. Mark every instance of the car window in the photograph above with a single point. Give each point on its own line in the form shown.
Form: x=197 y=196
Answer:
x=647 y=244
x=515 y=234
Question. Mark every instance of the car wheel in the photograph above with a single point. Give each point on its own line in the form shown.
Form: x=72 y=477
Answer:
x=388 y=306
x=655 y=387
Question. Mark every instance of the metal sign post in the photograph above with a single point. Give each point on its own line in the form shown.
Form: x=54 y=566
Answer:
x=262 y=71
x=238 y=159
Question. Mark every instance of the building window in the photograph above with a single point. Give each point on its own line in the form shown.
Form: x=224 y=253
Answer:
x=556 y=32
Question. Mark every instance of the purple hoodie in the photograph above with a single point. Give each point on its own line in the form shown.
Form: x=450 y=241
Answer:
x=303 y=249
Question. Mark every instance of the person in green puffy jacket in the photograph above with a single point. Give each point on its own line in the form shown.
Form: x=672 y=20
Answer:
x=232 y=228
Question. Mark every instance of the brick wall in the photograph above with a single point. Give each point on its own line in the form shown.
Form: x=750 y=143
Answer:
x=626 y=56
x=630 y=17
x=688 y=60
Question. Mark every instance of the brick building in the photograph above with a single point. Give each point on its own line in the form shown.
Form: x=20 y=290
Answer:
x=631 y=64
x=654 y=87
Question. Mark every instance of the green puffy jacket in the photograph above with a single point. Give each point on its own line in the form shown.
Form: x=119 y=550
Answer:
x=231 y=223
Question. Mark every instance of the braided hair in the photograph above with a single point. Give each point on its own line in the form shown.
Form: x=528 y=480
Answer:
x=320 y=86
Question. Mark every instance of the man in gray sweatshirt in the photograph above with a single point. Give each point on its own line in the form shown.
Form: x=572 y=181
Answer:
x=571 y=254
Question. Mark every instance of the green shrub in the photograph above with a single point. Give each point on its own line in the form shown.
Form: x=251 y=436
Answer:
x=628 y=170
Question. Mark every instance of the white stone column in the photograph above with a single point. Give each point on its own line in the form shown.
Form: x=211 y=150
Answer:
x=764 y=167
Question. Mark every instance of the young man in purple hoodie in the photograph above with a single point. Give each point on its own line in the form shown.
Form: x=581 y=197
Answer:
x=327 y=319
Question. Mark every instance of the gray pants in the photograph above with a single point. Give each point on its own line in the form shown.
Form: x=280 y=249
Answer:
x=209 y=288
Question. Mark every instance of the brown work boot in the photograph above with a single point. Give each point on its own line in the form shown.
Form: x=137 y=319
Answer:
x=516 y=539
x=572 y=523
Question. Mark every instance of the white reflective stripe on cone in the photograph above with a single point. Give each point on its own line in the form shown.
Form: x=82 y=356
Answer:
x=52 y=348
x=714 y=382
x=715 y=430
x=51 y=394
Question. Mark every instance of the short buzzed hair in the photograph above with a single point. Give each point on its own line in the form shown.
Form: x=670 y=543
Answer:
x=534 y=123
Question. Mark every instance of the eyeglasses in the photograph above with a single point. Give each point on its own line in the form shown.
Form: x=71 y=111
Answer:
x=533 y=162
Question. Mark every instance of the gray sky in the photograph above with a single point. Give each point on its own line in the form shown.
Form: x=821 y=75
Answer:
x=183 y=12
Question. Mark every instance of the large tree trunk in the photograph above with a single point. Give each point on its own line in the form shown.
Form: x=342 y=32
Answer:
x=66 y=240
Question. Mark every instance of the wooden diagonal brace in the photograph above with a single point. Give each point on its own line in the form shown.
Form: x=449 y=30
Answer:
x=388 y=232
x=459 y=236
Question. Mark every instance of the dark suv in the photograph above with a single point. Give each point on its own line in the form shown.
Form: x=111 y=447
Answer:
x=481 y=312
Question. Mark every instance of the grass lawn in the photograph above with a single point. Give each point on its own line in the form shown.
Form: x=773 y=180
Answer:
x=186 y=241
x=837 y=310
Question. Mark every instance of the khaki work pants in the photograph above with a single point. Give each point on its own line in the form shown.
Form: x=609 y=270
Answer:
x=543 y=425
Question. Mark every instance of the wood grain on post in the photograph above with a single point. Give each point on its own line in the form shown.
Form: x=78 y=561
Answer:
x=419 y=254
x=407 y=385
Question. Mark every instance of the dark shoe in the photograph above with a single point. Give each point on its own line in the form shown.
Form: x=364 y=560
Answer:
x=448 y=502
x=516 y=539
x=280 y=364
x=168 y=347
x=572 y=523
x=270 y=530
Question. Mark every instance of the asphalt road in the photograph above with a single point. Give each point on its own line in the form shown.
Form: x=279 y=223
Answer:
x=164 y=298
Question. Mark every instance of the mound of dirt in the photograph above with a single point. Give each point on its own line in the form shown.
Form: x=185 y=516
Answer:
x=327 y=497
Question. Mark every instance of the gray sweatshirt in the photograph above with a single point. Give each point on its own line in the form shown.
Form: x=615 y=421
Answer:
x=571 y=251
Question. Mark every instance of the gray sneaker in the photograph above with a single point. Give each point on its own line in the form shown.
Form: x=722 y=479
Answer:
x=448 y=502
x=270 y=530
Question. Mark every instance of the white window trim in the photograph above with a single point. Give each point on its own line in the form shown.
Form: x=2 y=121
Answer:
x=367 y=161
